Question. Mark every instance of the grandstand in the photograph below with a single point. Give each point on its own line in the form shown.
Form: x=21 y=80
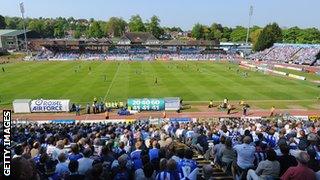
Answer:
x=305 y=54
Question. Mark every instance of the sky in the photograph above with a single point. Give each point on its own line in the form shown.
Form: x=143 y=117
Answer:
x=182 y=13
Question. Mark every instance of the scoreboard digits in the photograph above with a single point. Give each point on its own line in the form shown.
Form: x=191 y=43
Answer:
x=146 y=104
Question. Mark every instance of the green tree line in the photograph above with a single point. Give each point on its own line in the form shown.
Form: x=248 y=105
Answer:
x=260 y=37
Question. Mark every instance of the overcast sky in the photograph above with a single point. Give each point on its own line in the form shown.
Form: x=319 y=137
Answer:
x=183 y=13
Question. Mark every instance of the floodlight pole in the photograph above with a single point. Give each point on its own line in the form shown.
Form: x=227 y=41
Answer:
x=24 y=25
x=248 y=30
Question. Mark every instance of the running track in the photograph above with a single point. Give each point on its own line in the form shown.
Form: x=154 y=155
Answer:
x=207 y=114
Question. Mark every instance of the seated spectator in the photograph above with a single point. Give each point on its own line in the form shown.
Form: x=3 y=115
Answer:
x=313 y=164
x=18 y=151
x=121 y=149
x=187 y=165
x=121 y=171
x=260 y=154
x=207 y=172
x=301 y=171
x=168 y=170
x=50 y=146
x=85 y=163
x=136 y=156
x=268 y=169
x=75 y=155
x=286 y=160
x=58 y=150
x=245 y=157
x=96 y=172
x=228 y=155
x=173 y=171
x=154 y=151
x=62 y=166
x=73 y=168
x=179 y=154
x=35 y=149
x=107 y=156
x=217 y=150
x=202 y=141
x=21 y=169
x=51 y=171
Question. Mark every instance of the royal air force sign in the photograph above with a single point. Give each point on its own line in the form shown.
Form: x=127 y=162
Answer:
x=42 y=105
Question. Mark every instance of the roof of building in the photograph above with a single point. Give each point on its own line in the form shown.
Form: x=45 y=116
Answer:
x=139 y=37
x=11 y=32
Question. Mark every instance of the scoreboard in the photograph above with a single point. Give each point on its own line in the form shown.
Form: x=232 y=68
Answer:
x=146 y=104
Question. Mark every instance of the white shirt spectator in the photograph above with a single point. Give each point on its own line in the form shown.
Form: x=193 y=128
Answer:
x=245 y=156
x=50 y=149
x=85 y=164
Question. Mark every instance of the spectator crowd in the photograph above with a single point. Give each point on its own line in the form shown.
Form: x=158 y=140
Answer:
x=246 y=149
x=295 y=53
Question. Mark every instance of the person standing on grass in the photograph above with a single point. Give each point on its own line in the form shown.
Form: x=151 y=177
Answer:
x=211 y=103
x=106 y=114
x=229 y=107
x=78 y=110
x=3 y=69
x=88 y=108
x=156 y=81
x=245 y=109
x=225 y=102
x=272 y=111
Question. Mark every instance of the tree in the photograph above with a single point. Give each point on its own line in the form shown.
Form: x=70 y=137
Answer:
x=268 y=36
x=136 y=24
x=208 y=34
x=198 y=31
x=37 y=26
x=216 y=30
x=254 y=35
x=3 y=24
x=115 y=27
x=291 y=35
x=226 y=32
x=154 y=27
x=79 y=30
x=238 y=34
x=95 y=30
x=173 y=29
x=309 y=35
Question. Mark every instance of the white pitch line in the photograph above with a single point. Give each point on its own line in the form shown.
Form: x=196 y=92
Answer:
x=110 y=86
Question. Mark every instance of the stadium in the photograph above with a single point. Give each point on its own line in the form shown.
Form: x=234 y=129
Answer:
x=117 y=99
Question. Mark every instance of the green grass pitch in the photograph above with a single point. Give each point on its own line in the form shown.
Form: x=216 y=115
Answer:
x=119 y=80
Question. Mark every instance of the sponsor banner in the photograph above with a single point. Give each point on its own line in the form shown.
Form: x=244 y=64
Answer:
x=251 y=118
x=172 y=104
x=42 y=105
x=62 y=121
x=277 y=72
x=294 y=68
x=180 y=120
x=314 y=118
x=156 y=121
x=297 y=77
x=21 y=105
x=279 y=66
x=288 y=67
x=245 y=67
x=302 y=118
x=146 y=104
